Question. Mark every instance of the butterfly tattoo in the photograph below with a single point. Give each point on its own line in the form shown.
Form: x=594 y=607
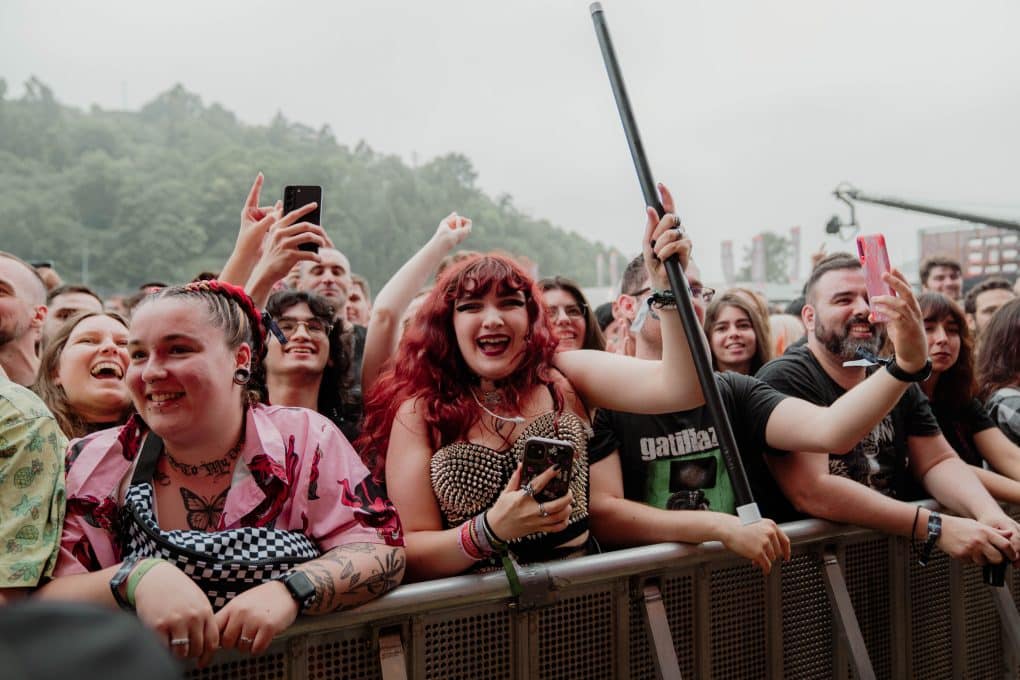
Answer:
x=203 y=514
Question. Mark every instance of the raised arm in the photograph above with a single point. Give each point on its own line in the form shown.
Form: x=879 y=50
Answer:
x=624 y=383
x=393 y=300
x=255 y=222
x=282 y=250
x=798 y=425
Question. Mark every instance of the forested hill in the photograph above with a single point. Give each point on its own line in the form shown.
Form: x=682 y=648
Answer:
x=156 y=193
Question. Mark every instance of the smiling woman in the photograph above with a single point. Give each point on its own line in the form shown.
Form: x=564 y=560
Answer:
x=735 y=332
x=217 y=518
x=572 y=319
x=81 y=375
x=477 y=386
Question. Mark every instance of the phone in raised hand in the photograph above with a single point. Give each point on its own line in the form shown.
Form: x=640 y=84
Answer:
x=297 y=195
x=540 y=454
x=875 y=259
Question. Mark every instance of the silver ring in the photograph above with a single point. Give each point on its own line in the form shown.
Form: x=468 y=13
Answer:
x=244 y=640
x=541 y=510
x=180 y=642
x=528 y=489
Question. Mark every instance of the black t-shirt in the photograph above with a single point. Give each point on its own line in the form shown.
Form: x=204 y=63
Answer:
x=878 y=461
x=664 y=454
x=959 y=425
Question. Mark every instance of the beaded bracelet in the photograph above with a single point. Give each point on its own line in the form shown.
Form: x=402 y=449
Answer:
x=467 y=545
x=662 y=299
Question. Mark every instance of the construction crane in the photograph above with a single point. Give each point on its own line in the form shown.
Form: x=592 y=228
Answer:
x=848 y=194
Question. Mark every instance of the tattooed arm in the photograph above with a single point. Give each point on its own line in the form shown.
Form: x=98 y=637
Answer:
x=344 y=577
x=352 y=574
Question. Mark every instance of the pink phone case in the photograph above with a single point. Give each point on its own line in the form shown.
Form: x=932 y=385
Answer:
x=875 y=259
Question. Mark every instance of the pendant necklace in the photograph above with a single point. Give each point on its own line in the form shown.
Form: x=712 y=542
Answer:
x=494 y=398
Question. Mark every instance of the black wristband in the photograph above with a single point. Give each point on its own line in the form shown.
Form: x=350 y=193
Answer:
x=934 y=531
x=898 y=373
x=126 y=567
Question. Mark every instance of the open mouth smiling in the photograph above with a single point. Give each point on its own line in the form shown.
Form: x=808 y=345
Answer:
x=107 y=370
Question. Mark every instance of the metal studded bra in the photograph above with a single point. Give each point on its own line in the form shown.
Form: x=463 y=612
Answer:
x=467 y=479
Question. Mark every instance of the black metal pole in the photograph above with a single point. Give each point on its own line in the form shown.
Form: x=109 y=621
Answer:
x=747 y=509
x=847 y=194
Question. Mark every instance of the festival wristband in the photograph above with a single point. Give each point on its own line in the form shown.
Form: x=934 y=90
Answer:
x=136 y=577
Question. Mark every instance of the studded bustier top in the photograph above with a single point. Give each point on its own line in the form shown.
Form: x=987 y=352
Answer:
x=467 y=479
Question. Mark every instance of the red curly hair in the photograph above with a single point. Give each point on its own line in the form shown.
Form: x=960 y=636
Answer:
x=429 y=366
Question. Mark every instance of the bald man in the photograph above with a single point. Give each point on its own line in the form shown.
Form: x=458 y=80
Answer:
x=22 y=314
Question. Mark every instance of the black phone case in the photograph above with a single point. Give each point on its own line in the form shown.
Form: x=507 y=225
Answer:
x=295 y=196
x=539 y=455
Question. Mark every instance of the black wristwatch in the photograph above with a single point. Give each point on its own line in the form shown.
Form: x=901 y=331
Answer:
x=300 y=588
x=898 y=373
x=118 y=580
x=934 y=531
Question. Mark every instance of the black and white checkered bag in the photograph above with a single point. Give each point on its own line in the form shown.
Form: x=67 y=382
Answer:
x=222 y=563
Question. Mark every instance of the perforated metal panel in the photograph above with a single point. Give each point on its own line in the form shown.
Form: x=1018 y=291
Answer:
x=866 y=572
x=677 y=597
x=930 y=620
x=807 y=620
x=469 y=645
x=271 y=666
x=576 y=637
x=738 y=623
x=342 y=656
x=984 y=639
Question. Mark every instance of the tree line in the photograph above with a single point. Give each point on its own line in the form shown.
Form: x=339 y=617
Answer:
x=117 y=198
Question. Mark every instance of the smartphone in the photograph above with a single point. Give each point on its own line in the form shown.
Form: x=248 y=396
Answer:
x=875 y=259
x=541 y=453
x=295 y=196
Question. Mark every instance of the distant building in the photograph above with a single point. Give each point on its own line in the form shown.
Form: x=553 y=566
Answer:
x=981 y=251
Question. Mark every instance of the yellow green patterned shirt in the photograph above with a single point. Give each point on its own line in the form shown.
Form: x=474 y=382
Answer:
x=31 y=487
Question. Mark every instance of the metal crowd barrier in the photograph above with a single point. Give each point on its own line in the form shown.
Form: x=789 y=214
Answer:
x=588 y=618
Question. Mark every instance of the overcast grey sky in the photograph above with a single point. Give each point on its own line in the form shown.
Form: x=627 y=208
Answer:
x=751 y=111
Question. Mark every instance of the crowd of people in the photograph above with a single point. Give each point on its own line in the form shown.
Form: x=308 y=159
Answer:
x=222 y=455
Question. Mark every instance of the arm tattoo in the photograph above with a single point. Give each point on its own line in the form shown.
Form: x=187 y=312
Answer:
x=343 y=581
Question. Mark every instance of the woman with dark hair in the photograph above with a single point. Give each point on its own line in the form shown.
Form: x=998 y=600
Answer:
x=998 y=369
x=737 y=335
x=476 y=377
x=81 y=374
x=574 y=324
x=312 y=369
x=951 y=389
x=215 y=517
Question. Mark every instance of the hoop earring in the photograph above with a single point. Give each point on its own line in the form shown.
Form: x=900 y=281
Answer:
x=241 y=376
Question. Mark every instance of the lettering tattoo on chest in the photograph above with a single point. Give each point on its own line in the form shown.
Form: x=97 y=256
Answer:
x=203 y=514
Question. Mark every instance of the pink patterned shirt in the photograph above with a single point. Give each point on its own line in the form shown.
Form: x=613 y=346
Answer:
x=295 y=472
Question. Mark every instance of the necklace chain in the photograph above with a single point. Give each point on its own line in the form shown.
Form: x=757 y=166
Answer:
x=517 y=420
x=213 y=468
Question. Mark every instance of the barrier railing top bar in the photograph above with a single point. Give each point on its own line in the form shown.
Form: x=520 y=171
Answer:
x=471 y=589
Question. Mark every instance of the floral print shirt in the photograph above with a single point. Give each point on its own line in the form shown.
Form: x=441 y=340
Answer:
x=295 y=472
x=31 y=486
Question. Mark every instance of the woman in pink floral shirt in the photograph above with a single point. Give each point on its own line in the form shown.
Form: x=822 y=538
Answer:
x=216 y=517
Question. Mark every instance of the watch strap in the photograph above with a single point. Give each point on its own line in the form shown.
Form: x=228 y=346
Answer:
x=121 y=575
x=897 y=372
x=934 y=532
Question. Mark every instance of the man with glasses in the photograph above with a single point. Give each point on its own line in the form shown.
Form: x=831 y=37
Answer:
x=649 y=471
x=311 y=369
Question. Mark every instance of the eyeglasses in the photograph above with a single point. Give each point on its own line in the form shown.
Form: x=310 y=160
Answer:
x=572 y=311
x=705 y=294
x=289 y=326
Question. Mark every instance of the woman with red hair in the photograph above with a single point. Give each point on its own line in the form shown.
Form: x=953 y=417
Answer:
x=474 y=378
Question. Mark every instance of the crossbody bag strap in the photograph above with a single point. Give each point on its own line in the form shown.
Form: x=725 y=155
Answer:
x=147 y=459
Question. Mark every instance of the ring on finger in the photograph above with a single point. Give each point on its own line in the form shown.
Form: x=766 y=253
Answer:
x=180 y=642
x=528 y=489
x=542 y=512
x=245 y=641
